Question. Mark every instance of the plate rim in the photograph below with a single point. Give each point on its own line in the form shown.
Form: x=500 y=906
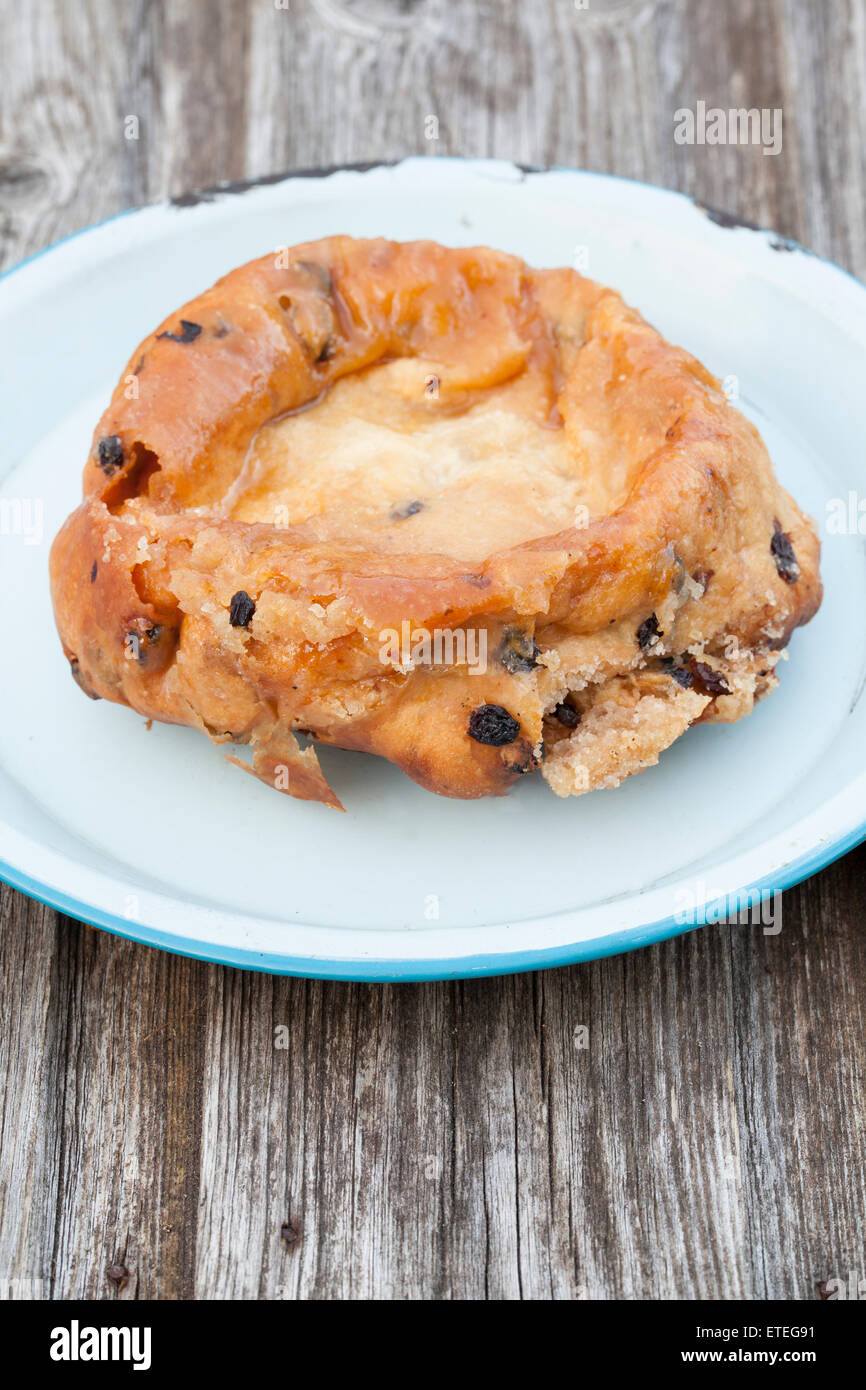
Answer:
x=229 y=188
x=379 y=969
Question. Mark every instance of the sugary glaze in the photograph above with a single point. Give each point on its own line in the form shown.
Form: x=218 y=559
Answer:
x=358 y=437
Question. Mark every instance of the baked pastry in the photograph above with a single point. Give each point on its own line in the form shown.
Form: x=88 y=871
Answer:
x=344 y=454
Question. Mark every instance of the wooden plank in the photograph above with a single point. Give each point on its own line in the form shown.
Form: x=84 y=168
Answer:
x=453 y=1140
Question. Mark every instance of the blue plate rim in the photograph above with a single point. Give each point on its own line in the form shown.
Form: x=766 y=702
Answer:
x=375 y=970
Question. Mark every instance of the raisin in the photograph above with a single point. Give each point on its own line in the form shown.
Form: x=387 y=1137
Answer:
x=406 y=510
x=110 y=454
x=241 y=609
x=318 y=273
x=188 y=332
x=493 y=725
x=649 y=633
x=682 y=675
x=80 y=681
x=94 y=571
x=708 y=680
x=567 y=715
x=525 y=762
x=149 y=644
x=518 y=651
x=782 y=552
x=312 y=319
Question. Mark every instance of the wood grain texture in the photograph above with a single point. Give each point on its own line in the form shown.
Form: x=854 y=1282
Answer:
x=454 y=1140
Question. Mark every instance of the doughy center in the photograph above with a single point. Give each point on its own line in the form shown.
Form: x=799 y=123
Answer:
x=389 y=459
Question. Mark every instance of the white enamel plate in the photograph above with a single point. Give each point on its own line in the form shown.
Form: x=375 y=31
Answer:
x=155 y=836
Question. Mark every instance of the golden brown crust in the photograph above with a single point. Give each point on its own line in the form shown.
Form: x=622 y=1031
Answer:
x=684 y=522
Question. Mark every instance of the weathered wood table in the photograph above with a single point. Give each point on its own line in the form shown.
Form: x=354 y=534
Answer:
x=449 y=1140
